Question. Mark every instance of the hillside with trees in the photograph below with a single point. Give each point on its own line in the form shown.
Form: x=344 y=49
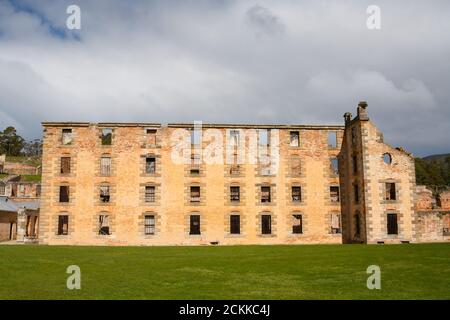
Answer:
x=13 y=145
x=434 y=171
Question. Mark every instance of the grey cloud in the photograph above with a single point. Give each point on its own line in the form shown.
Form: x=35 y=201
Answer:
x=263 y=21
x=169 y=61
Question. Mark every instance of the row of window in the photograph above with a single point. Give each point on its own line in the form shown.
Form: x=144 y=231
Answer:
x=150 y=166
x=391 y=224
x=234 y=135
x=21 y=190
x=234 y=194
x=195 y=224
x=390 y=192
x=235 y=224
x=195 y=194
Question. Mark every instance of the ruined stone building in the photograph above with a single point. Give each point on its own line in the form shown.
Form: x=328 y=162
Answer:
x=186 y=184
x=19 y=200
x=432 y=215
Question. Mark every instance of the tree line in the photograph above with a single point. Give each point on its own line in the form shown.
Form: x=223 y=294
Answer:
x=434 y=173
x=12 y=144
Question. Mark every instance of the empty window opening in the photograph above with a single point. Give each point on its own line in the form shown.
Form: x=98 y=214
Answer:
x=105 y=194
x=265 y=194
x=235 y=194
x=151 y=136
x=2 y=189
x=105 y=166
x=31 y=226
x=391 y=193
x=335 y=223
x=14 y=190
x=67 y=137
x=356 y=193
x=149 y=225
x=387 y=158
x=150 y=193
x=296 y=166
x=392 y=224
x=266 y=224
x=297 y=227
x=264 y=137
x=150 y=165
x=294 y=138
x=103 y=225
x=195 y=171
x=107 y=136
x=194 y=225
x=355 y=164
x=65 y=165
x=335 y=165
x=235 y=224
x=21 y=192
x=63 y=193
x=296 y=194
x=234 y=138
x=332 y=139
x=38 y=190
x=63 y=225
x=357 y=225
x=195 y=194
x=334 y=194
x=196 y=137
x=354 y=136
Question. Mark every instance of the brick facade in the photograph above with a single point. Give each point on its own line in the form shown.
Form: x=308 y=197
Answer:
x=376 y=185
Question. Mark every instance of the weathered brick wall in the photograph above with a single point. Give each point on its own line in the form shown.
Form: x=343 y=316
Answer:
x=6 y=218
x=24 y=190
x=432 y=226
x=172 y=210
x=445 y=200
x=19 y=168
x=368 y=149
x=424 y=198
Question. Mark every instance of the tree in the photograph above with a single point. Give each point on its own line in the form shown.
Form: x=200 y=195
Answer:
x=33 y=148
x=10 y=142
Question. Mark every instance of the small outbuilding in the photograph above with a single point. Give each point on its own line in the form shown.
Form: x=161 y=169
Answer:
x=19 y=220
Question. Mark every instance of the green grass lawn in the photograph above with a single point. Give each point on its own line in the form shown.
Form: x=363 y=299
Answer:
x=34 y=161
x=420 y=271
x=31 y=177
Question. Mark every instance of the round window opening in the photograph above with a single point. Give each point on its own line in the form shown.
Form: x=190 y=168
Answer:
x=387 y=158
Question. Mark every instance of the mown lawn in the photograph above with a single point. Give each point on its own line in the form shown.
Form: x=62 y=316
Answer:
x=420 y=271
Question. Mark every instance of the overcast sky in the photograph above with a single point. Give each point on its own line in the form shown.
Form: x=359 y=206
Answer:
x=294 y=62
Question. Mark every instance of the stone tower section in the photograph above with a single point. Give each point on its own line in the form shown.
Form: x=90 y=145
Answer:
x=377 y=183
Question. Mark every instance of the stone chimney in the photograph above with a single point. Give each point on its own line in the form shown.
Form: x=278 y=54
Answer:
x=362 y=111
x=347 y=117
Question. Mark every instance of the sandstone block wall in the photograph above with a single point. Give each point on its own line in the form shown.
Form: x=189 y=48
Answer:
x=364 y=146
x=172 y=208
